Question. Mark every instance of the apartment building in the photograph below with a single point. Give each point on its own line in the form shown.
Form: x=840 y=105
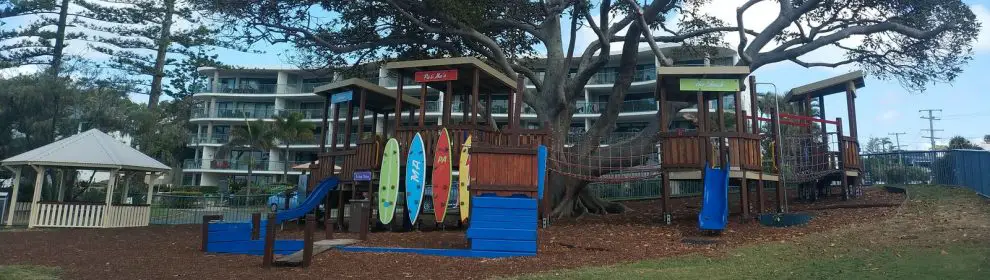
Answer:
x=251 y=93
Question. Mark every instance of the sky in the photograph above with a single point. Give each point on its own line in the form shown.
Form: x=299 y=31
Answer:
x=883 y=106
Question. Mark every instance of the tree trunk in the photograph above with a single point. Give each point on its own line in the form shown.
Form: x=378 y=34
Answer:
x=57 y=50
x=164 y=40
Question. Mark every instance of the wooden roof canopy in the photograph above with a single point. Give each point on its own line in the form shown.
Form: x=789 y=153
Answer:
x=490 y=80
x=825 y=87
x=378 y=97
x=670 y=79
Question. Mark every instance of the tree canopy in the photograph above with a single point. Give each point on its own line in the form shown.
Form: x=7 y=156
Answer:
x=917 y=42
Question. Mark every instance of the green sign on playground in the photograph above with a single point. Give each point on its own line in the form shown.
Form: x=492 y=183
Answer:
x=709 y=85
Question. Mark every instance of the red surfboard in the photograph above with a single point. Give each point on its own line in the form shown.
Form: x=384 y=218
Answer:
x=441 y=176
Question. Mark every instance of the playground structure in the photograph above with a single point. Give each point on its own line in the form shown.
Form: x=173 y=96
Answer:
x=505 y=210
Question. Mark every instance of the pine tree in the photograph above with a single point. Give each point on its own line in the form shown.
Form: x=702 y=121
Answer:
x=154 y=40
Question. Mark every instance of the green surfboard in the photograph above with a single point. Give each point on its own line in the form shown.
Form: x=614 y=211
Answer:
x=388 y=184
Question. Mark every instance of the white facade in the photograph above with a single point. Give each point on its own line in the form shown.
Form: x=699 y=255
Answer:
x=248 y=94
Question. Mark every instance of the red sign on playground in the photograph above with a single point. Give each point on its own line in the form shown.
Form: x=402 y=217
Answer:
x=436 y=76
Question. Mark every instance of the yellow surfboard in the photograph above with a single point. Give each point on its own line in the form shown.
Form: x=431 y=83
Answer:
x=464 y=179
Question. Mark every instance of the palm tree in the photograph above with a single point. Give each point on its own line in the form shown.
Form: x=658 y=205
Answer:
x=256 y=135
x=291 y=129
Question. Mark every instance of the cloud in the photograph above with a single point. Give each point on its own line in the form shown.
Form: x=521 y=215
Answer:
x=889 y=116
x=983 y=16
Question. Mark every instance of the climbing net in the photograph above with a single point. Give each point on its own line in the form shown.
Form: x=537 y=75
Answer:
x=811 y=154
x=617 y=161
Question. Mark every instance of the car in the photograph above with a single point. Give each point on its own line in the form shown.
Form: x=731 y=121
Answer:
x=277 y=201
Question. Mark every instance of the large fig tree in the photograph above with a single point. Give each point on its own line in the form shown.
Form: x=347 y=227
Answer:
x=917 y=42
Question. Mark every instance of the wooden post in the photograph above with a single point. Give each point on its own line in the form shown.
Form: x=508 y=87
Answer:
x=519 y=93
x=205 y=239
x=326 y=128
x=333 y=134
x=422 y=106
x=347 y=125
x=821 y=115
x=13 y=194
x=702 y=118
x=761 y=199
x=448 y=100
x=842 y=160
x=722 y=149
x=740 y=118
x=488 y=105
x=327 y=224
x=398 y=105
x=744 y=198
x=255 y=226
x=752 y=105
x=269 y=256
x=38 y=184
x=851 y=104
x=807 y=111
x=374 y=123
x=308 y=240
x=361 y=104
x=111 y=185
x=465 y=105
x=662 y=114
x=475 y=96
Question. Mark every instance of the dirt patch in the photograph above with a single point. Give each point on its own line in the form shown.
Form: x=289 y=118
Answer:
x=173 y=251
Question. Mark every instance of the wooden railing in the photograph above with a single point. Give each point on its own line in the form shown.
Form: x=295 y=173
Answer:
x=685 y=149
x=77 y=215
x=503 y=171
x=850 y=150
x=90 y=215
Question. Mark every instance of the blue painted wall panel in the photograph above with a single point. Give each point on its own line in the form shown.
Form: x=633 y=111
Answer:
x=502 y=202
x=506 y=234
x=229 y=226
x=489 y=217
x=222 y=236
x=505 y=212
x=517 y=224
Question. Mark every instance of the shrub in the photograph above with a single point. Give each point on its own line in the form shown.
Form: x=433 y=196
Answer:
x=905 y=174
x=182 y=199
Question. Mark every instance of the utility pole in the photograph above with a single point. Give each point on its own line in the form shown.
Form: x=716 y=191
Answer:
x=897 y=138
x=931 y=125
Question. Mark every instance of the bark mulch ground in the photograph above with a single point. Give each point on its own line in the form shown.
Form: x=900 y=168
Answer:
x=172 y=252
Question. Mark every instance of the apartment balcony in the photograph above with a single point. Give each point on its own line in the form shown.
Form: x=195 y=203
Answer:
x=213 y=139
x=234 y=113
x=242 y=89
x=608 y=77
x=306 y=113
x=238 y=165
x=628 y=106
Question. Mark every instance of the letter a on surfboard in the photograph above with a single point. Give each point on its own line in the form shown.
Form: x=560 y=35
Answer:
x=415 y=177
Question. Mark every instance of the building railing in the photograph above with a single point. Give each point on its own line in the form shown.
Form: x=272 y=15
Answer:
x=235 y=113
x=243 y=89
x=213 y=139
x=306 y=113
x=642 y=105
x=240 y=165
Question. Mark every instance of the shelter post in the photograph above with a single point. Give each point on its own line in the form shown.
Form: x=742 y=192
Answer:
x=38 y=183
x=13 y=194
x=150 y=177
x=111 y=184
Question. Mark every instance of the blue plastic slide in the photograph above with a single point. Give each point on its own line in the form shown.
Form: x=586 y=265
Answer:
x=312 y=201
x=715 y=205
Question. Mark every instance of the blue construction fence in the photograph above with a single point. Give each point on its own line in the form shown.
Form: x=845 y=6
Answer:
x=965 y=168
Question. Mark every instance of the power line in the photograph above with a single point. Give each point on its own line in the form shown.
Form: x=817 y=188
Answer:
x=897 y=138
x=931 y=125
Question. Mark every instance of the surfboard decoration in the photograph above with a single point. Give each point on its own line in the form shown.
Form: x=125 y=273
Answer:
x=388 y=185
x=415 y=177
x=464 y=179
x=441 y=176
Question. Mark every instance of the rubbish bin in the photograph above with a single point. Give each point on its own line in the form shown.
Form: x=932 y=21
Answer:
x=359 y=213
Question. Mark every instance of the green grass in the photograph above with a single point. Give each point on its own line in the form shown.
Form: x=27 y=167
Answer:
x=940 y=234
x=28 y=272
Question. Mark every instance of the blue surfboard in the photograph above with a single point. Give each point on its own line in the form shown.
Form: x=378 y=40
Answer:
x=415 y=177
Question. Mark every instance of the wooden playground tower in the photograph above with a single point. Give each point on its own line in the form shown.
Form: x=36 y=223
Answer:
x=512 y=147
x=684 y=153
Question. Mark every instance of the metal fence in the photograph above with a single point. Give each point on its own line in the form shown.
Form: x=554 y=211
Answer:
x=169 y=209
x=966 y=168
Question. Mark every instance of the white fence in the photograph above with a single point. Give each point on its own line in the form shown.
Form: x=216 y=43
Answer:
x=90 y=215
